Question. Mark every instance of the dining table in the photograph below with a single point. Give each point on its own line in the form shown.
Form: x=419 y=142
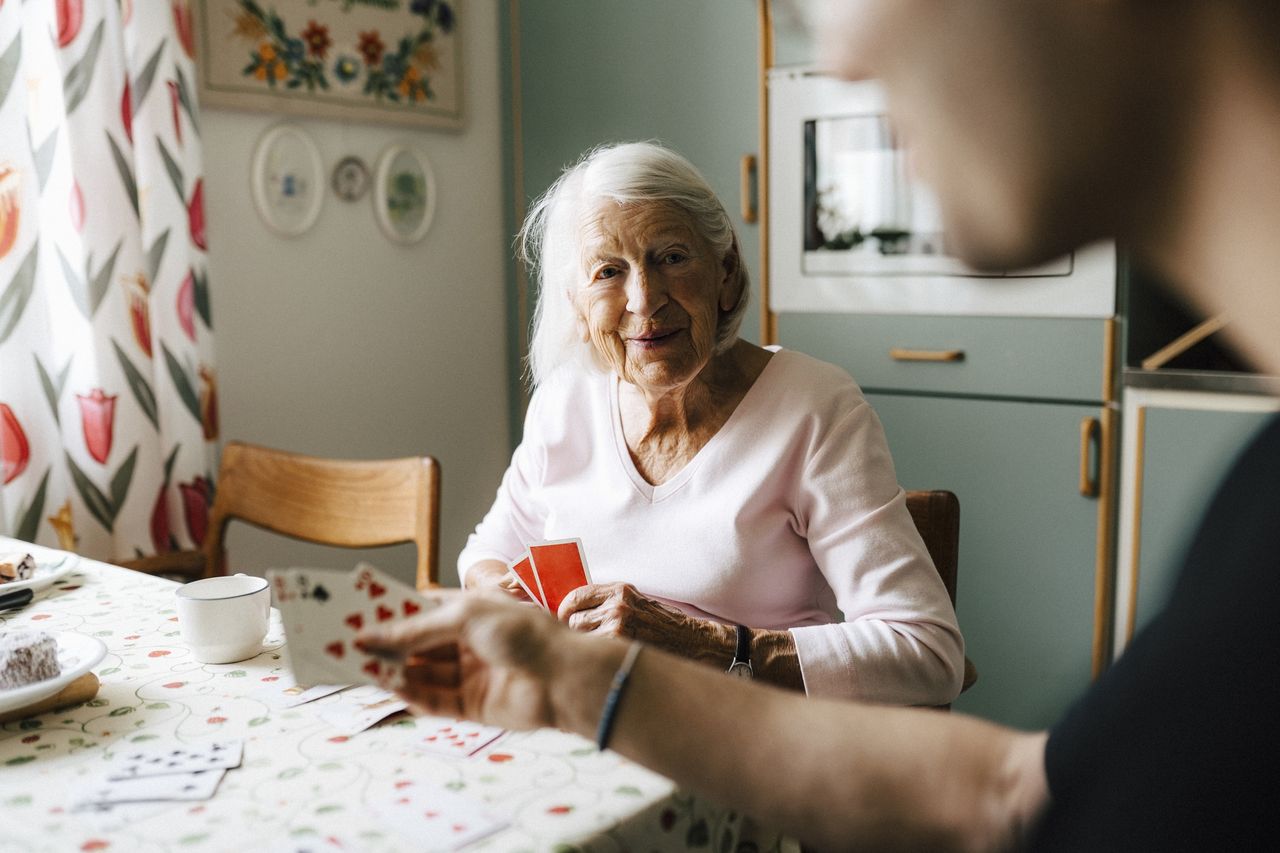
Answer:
x=300 y=784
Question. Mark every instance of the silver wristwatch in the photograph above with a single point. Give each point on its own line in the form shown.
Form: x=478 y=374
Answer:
x=741 y=666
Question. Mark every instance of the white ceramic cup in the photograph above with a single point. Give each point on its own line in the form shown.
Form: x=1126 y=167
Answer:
x=224 y=619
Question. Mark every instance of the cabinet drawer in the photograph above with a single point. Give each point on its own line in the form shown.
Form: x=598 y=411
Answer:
x=1052 y=359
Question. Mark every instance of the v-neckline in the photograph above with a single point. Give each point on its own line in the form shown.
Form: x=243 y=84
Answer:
x=661 y=491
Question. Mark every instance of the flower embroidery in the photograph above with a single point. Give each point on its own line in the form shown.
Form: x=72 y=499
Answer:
x=317 y=38
x=140 y=310
x=346 y=69
x=182 y=24
x=371 y=47
x=195 y=215
x=187 y=306
x=70 y=17
x=64 y=527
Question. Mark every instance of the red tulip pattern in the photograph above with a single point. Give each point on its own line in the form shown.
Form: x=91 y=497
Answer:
x=195 y=215
x=160 y=522
x=15 y=451
x=97 y=414
x=10 y=207
x=70 y=17
x=187 y=306
x=208 y=403
x=174 y=103
x=182 y=25
x=195 y=506
x=126 y=110
x=75 y=206
x=140 y=311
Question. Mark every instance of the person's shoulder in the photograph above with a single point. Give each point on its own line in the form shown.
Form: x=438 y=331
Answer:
x=819 y=385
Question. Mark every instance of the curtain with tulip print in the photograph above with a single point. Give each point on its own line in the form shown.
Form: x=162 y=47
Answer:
x=108 y=397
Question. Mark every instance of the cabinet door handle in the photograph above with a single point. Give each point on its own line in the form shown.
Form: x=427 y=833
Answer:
x=747 y=187
x=1090 y=439
x=902 y=354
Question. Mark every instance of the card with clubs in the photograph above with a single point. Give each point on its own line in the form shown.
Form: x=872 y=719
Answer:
x=175 y=759
x=198 y=785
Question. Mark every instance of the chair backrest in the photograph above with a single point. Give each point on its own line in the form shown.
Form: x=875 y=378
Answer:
x=342 y=502
x=937 y=517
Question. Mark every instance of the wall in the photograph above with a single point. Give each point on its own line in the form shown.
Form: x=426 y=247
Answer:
x=339 y=343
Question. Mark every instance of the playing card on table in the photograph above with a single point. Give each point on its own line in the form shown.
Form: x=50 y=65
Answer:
x=358 y=709
x=287 y=693
x=324 y=610
x=199 y=785
x=560 y=568
x=178 y=758
x=447 y=736
x=523 y=570
x=437 y=819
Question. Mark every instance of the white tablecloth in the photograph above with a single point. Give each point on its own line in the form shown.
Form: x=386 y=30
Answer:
x=301 y=786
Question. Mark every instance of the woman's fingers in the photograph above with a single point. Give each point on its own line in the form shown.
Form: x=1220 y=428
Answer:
x=587 y=597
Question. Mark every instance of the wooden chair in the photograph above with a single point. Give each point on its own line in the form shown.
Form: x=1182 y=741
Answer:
x=345 y=503
x=341 y=502
x=937 y=517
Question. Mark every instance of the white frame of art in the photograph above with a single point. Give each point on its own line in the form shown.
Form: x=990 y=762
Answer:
x=381 y=209
x=260 y=179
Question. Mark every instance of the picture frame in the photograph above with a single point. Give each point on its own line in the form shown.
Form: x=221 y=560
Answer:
x=404 y=194
x=287 y=180
x=390 y=62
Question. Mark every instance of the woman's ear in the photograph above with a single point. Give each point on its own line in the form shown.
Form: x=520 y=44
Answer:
x=731 y=281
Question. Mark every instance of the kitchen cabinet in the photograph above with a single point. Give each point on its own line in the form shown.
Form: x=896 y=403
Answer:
x=1002 y=429
x=1177 y=446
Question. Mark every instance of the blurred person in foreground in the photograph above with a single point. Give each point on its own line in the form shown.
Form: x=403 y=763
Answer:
x=1043 y=124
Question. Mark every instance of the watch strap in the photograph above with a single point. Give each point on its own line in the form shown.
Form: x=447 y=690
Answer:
x=742 y=650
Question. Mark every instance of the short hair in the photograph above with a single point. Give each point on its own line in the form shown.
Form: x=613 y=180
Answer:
x=551 y=247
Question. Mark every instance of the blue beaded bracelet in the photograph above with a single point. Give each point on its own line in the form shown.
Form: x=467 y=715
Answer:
x=611 y=701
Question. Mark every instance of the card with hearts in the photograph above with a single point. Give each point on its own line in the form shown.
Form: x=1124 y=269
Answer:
x=324 y=610
x=447 y=736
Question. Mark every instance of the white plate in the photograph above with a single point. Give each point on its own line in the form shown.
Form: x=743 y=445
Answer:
x=77 y=654
x=46 y=573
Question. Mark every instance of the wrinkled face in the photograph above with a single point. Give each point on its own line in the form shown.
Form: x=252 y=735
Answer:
x=1029 y=118
x=651 y=294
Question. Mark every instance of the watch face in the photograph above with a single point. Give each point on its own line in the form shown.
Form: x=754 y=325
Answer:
x=740 y=670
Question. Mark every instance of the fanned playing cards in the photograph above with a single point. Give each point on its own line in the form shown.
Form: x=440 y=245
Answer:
x=323 y=611
x=549 y=571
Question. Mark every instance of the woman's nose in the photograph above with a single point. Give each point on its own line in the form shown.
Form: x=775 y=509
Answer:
x=645 y=292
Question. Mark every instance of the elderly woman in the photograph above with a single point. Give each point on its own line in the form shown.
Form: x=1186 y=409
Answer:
x=732 y=501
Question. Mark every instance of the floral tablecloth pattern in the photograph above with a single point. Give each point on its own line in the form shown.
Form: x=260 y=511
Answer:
x=301 y=786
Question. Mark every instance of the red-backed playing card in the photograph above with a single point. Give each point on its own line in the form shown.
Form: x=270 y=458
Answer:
x=523 y=569
x=560 y=568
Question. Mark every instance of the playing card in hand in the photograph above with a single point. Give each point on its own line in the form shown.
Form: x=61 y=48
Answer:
x=324 y=610
x=560 y=568
x=523 y=570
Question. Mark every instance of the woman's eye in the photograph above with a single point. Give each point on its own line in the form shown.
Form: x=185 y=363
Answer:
x=606 y=273
x=675 y=257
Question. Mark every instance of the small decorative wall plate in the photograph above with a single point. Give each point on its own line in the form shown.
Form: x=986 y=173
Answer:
x=404 y=194
x=287 y=179
x=350 y=179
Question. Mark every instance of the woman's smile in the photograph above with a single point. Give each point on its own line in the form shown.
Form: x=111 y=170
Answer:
x=654 y=339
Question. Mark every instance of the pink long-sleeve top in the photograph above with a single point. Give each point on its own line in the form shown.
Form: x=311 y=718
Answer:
x=790 y=517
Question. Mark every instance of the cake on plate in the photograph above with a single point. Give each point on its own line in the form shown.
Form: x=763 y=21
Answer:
x=17 y=567
x=27 y=657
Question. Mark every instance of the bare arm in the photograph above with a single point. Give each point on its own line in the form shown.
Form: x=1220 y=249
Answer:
x=832 y=773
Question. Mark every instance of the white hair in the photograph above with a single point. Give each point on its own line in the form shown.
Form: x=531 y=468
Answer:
x=550 y=240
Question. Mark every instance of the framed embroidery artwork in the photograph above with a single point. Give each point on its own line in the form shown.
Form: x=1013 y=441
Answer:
x=404 y=194
x=394 y=61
